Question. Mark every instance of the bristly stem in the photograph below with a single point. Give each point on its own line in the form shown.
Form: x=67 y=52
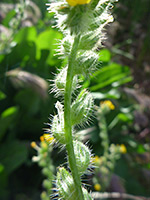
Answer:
x=67 y=119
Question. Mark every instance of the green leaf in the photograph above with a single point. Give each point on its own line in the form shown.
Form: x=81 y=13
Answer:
x=7 y=117
x=12 y=155
x=1 y=168
x=109 y=75
x=113 y=94
x=2 y=95
x=8 y=17
x=47 y=41
x=105 y=55
x=9 y=111
x=140 y=148
x=125 y=117
x=1 y=58
x=26 y=34
x=28 y=101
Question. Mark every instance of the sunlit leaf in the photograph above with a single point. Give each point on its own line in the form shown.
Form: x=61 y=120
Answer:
x=26 y=34
x=2 y=95
x=105 y=55
x=9 y=111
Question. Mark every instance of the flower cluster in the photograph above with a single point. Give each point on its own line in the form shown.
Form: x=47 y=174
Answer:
x=43 y=159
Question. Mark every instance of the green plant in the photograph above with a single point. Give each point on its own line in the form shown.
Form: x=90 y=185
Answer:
x=44 y=160
x=82 y=24
x=111 y=152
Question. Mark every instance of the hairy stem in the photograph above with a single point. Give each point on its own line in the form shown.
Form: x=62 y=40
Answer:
x=67 y=120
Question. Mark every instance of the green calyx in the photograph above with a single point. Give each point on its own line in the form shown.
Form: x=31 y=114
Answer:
x=66 y=188
x=83 y=156
x=86 y=62
x=65 y=184
x=81 y=108
x=60 y=82
x=58 y=124
x=84 y=20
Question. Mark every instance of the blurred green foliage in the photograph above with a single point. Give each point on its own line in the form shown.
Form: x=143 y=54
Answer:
x=26 y=104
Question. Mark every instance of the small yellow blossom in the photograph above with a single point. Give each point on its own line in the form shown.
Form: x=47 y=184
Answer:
x=77 y=2
x=108 y=104
x=123 y=149
x=96 y=159
x=48 y=138
x=33 y=144
x=97 y=187
x=42 y=138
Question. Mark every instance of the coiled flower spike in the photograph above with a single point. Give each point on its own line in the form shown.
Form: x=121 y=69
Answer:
x=82 y=23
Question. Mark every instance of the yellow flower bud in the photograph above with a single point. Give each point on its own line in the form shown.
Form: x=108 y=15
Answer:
x=97 y=160
x=77 y=2
x=97 y=187
x=123 y=149
x=33 y=144
x=48 y=138
x=42 y=138
x=107 y=103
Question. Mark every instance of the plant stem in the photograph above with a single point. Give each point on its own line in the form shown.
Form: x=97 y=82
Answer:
x=105 y=195
x=67 y=120
x=103 y=132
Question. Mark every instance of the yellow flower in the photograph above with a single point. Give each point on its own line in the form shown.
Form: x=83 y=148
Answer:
x=97 y=160
x=48 y=138
x=42 y=138
x=108 y=104
x=77 y=2
x=123 y=149
x=33 y=144
x=97 y=187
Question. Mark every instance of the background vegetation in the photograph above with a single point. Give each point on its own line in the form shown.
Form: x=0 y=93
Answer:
x=27 y=63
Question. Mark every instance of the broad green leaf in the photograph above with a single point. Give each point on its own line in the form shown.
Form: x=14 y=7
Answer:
x=110 y=70
x=26 y=34
x=107 y=82
x=6 y=120
x=47 y=41
x=109 y=75
x=12 y=155
x=28 y=101
x=122 y=81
